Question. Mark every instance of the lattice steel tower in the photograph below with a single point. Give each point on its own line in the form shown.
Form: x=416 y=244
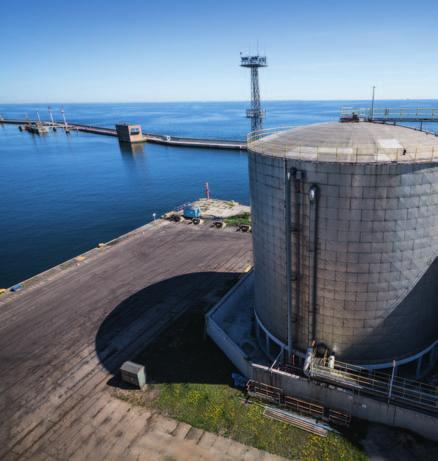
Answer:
x=255 y=113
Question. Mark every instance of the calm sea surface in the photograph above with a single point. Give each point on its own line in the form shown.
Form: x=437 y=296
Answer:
x=62 y=195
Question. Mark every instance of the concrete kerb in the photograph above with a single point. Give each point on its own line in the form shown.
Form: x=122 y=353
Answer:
x=72 y=263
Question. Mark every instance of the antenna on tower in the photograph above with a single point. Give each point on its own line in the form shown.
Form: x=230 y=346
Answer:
x=253 y=62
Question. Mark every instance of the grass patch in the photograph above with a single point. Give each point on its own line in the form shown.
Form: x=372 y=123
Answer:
x=220 y=409
x=239 y=219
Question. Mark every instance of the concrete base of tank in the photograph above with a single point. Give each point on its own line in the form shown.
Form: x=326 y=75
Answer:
x=232 y=326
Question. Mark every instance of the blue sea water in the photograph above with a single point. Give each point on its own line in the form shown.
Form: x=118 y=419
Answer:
x=62 y=195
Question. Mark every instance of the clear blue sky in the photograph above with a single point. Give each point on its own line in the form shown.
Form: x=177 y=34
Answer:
x=94 y=50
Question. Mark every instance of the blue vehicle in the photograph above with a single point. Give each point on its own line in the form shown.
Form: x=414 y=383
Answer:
x=191 y=212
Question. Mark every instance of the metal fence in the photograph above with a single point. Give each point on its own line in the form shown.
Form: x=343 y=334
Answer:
x=393 y=388
x=316 y=410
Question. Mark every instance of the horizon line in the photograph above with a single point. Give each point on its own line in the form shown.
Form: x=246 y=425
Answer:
x=210 y=101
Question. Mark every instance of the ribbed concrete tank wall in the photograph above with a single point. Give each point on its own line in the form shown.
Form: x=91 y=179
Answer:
x=376 y=277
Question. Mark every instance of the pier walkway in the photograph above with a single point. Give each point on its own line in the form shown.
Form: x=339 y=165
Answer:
x=390 y=115
x=65 y=332
x=147 y=137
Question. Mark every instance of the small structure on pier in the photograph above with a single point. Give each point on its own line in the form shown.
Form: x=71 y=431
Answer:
x=129 y=133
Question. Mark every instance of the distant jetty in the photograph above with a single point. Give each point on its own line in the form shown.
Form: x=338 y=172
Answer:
x=126 y=136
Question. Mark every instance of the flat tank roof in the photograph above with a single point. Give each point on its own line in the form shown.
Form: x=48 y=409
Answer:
x=354 y=142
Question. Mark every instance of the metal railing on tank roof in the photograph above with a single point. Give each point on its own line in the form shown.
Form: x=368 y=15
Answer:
x=274 y=142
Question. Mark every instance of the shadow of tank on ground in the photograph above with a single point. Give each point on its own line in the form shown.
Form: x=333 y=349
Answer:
x=184 y=354
x=176 y=354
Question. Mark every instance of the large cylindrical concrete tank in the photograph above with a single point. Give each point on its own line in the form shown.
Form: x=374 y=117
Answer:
x=355 y=207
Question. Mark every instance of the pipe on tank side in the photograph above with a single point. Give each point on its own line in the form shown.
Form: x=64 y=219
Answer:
x=288 y=173
x=298 y=177
x=313 y=255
